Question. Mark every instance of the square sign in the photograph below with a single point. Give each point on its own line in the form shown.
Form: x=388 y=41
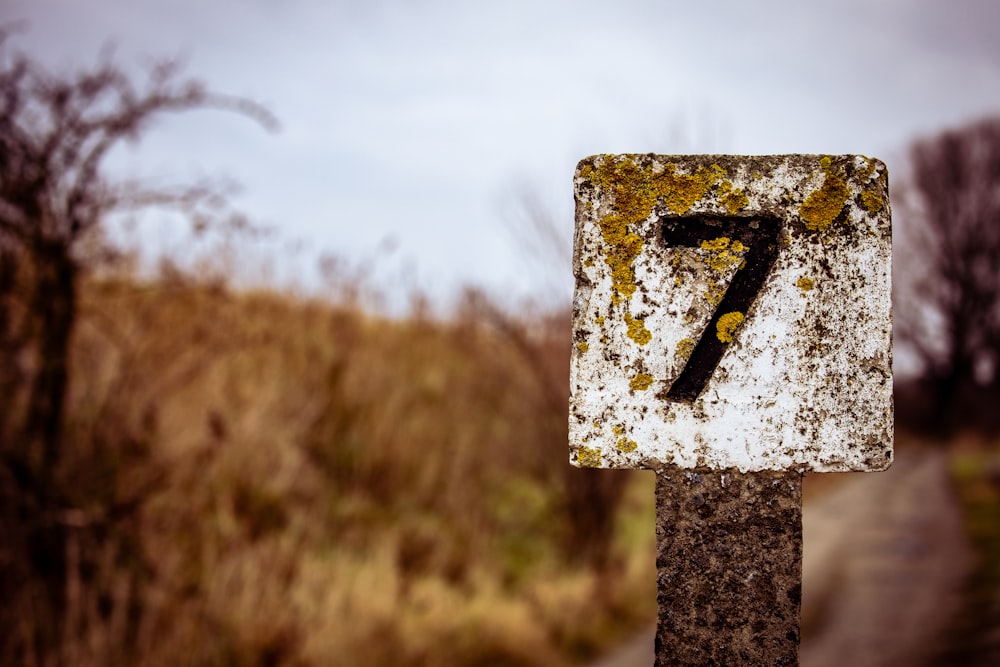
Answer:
x=732 y=313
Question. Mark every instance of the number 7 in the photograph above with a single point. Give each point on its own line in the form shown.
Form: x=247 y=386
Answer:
x=760 y=236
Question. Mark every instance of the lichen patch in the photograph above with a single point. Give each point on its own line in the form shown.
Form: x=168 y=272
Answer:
x=588 y=457
x=626 y=446
x=637 y=330
x=727 y=325
x=822 y=206
x=685 y=346
x=872 y=201
x=724 y=254
x=641 y=382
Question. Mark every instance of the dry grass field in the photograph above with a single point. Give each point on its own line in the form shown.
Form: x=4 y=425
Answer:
x=260 y=479
x=257 y=478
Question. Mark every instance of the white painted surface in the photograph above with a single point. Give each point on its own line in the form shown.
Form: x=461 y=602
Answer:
x=806 y=381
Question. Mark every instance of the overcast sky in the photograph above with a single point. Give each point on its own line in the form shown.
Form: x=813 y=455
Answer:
x=413 y=125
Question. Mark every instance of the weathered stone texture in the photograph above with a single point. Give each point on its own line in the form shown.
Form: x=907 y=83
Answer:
x=729 y=550
x=732 y=312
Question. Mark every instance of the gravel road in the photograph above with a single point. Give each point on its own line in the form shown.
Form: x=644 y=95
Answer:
x=884 y=559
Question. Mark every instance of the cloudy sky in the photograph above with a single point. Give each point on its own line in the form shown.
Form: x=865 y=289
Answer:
x=412 y=130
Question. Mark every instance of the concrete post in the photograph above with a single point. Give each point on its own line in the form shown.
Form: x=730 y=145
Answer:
x=732 y=330
x=728 y=560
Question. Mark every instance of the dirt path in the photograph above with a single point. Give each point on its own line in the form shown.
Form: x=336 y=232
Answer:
x=884 y=559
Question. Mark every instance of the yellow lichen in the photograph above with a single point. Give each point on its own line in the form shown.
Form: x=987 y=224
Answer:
x=727 y=326
x=866 y=173
x=625 y=445
x=872 y=201
x=805 y=283
x=637 y=330
x=715 y=245
x=631 y=203
x=635 y=190
x=681 y=191
x=588 y=457
x=822 y=206
x=685 y=346
x=641 y=382
x=714 y=292
x=735 y=201
x=582 y=346
x=618 y=430
x=725 y=254
x=623 y=248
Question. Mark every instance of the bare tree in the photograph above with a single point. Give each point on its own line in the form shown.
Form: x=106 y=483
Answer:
x=948 y=287
x=56 y=132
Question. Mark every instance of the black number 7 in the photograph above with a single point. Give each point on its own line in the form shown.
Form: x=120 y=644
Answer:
x=760 y=236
